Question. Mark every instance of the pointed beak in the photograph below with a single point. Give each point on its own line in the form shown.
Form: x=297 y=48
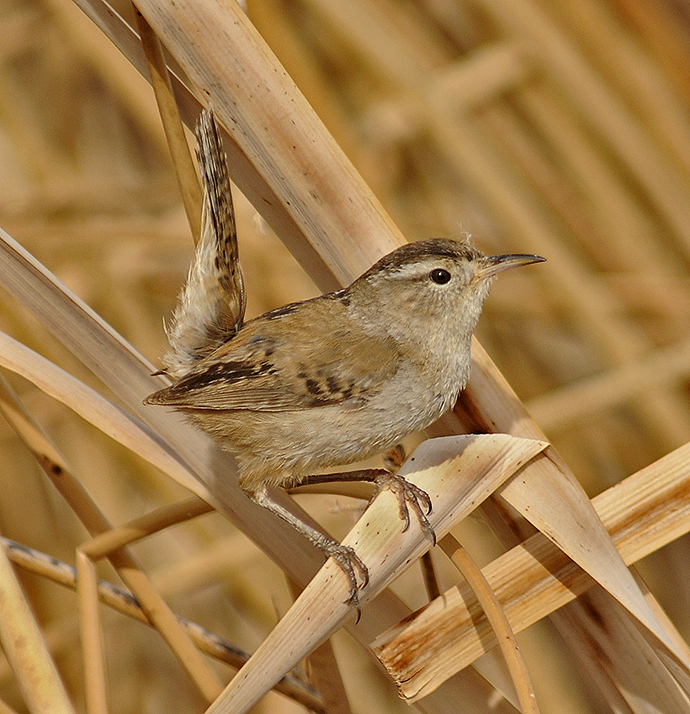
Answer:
x=496 y=263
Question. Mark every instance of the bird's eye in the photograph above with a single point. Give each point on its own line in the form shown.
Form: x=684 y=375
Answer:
x=440 y=276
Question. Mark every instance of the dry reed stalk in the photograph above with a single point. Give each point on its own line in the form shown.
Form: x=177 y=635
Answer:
x=107 y=544
x=209 y=643
x=252 y=184
x=273 y=22
x=5 y=709
x=496 y=616
x=64 y=321
x=618 y=679
x=431 y=585
x=202 y=74
x=144 y=526
x=665 y=367
x=625 y=232
x=576 y=550
x=60 y=473
x=73 y=321
x=129 y=376
x=664 y=410
x=272 y=123
x=325 y=674
x=482 y=77
x=97 y=410
x=185 y=170
x=129 y=87
x=96 y=694
x=664 y=35
x=470 y=151
x=642 y=513
x=24 y=647
x=484 y=461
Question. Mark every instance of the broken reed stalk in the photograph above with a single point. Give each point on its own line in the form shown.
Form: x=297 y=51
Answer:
x=386 y=549
x=642 y=513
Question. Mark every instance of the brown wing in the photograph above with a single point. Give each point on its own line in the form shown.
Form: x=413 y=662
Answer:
x=284 y=361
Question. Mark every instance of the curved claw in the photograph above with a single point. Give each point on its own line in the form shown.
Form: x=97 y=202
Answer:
x=408 y=495
x=350 y=562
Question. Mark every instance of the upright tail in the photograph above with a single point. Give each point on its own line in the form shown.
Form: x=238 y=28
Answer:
x=211 y=305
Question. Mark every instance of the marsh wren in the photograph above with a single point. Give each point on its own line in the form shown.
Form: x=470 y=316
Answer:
x=335 y=379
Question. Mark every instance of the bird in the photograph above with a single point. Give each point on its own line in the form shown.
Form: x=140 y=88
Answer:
x=332 y=380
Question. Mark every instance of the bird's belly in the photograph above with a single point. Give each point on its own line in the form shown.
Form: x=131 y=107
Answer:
x=282 y=447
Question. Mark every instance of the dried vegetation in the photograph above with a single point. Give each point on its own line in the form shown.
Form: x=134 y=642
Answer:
x=556 y=127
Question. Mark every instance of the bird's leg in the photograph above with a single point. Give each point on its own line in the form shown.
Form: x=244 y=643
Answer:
x=407 y=493
x=343 y=555
x=394 y=458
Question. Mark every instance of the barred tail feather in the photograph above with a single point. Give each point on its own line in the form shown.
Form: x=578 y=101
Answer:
x=211 y=305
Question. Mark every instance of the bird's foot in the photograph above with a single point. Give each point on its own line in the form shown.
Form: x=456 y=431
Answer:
x=409 y=496
x=351 y=564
